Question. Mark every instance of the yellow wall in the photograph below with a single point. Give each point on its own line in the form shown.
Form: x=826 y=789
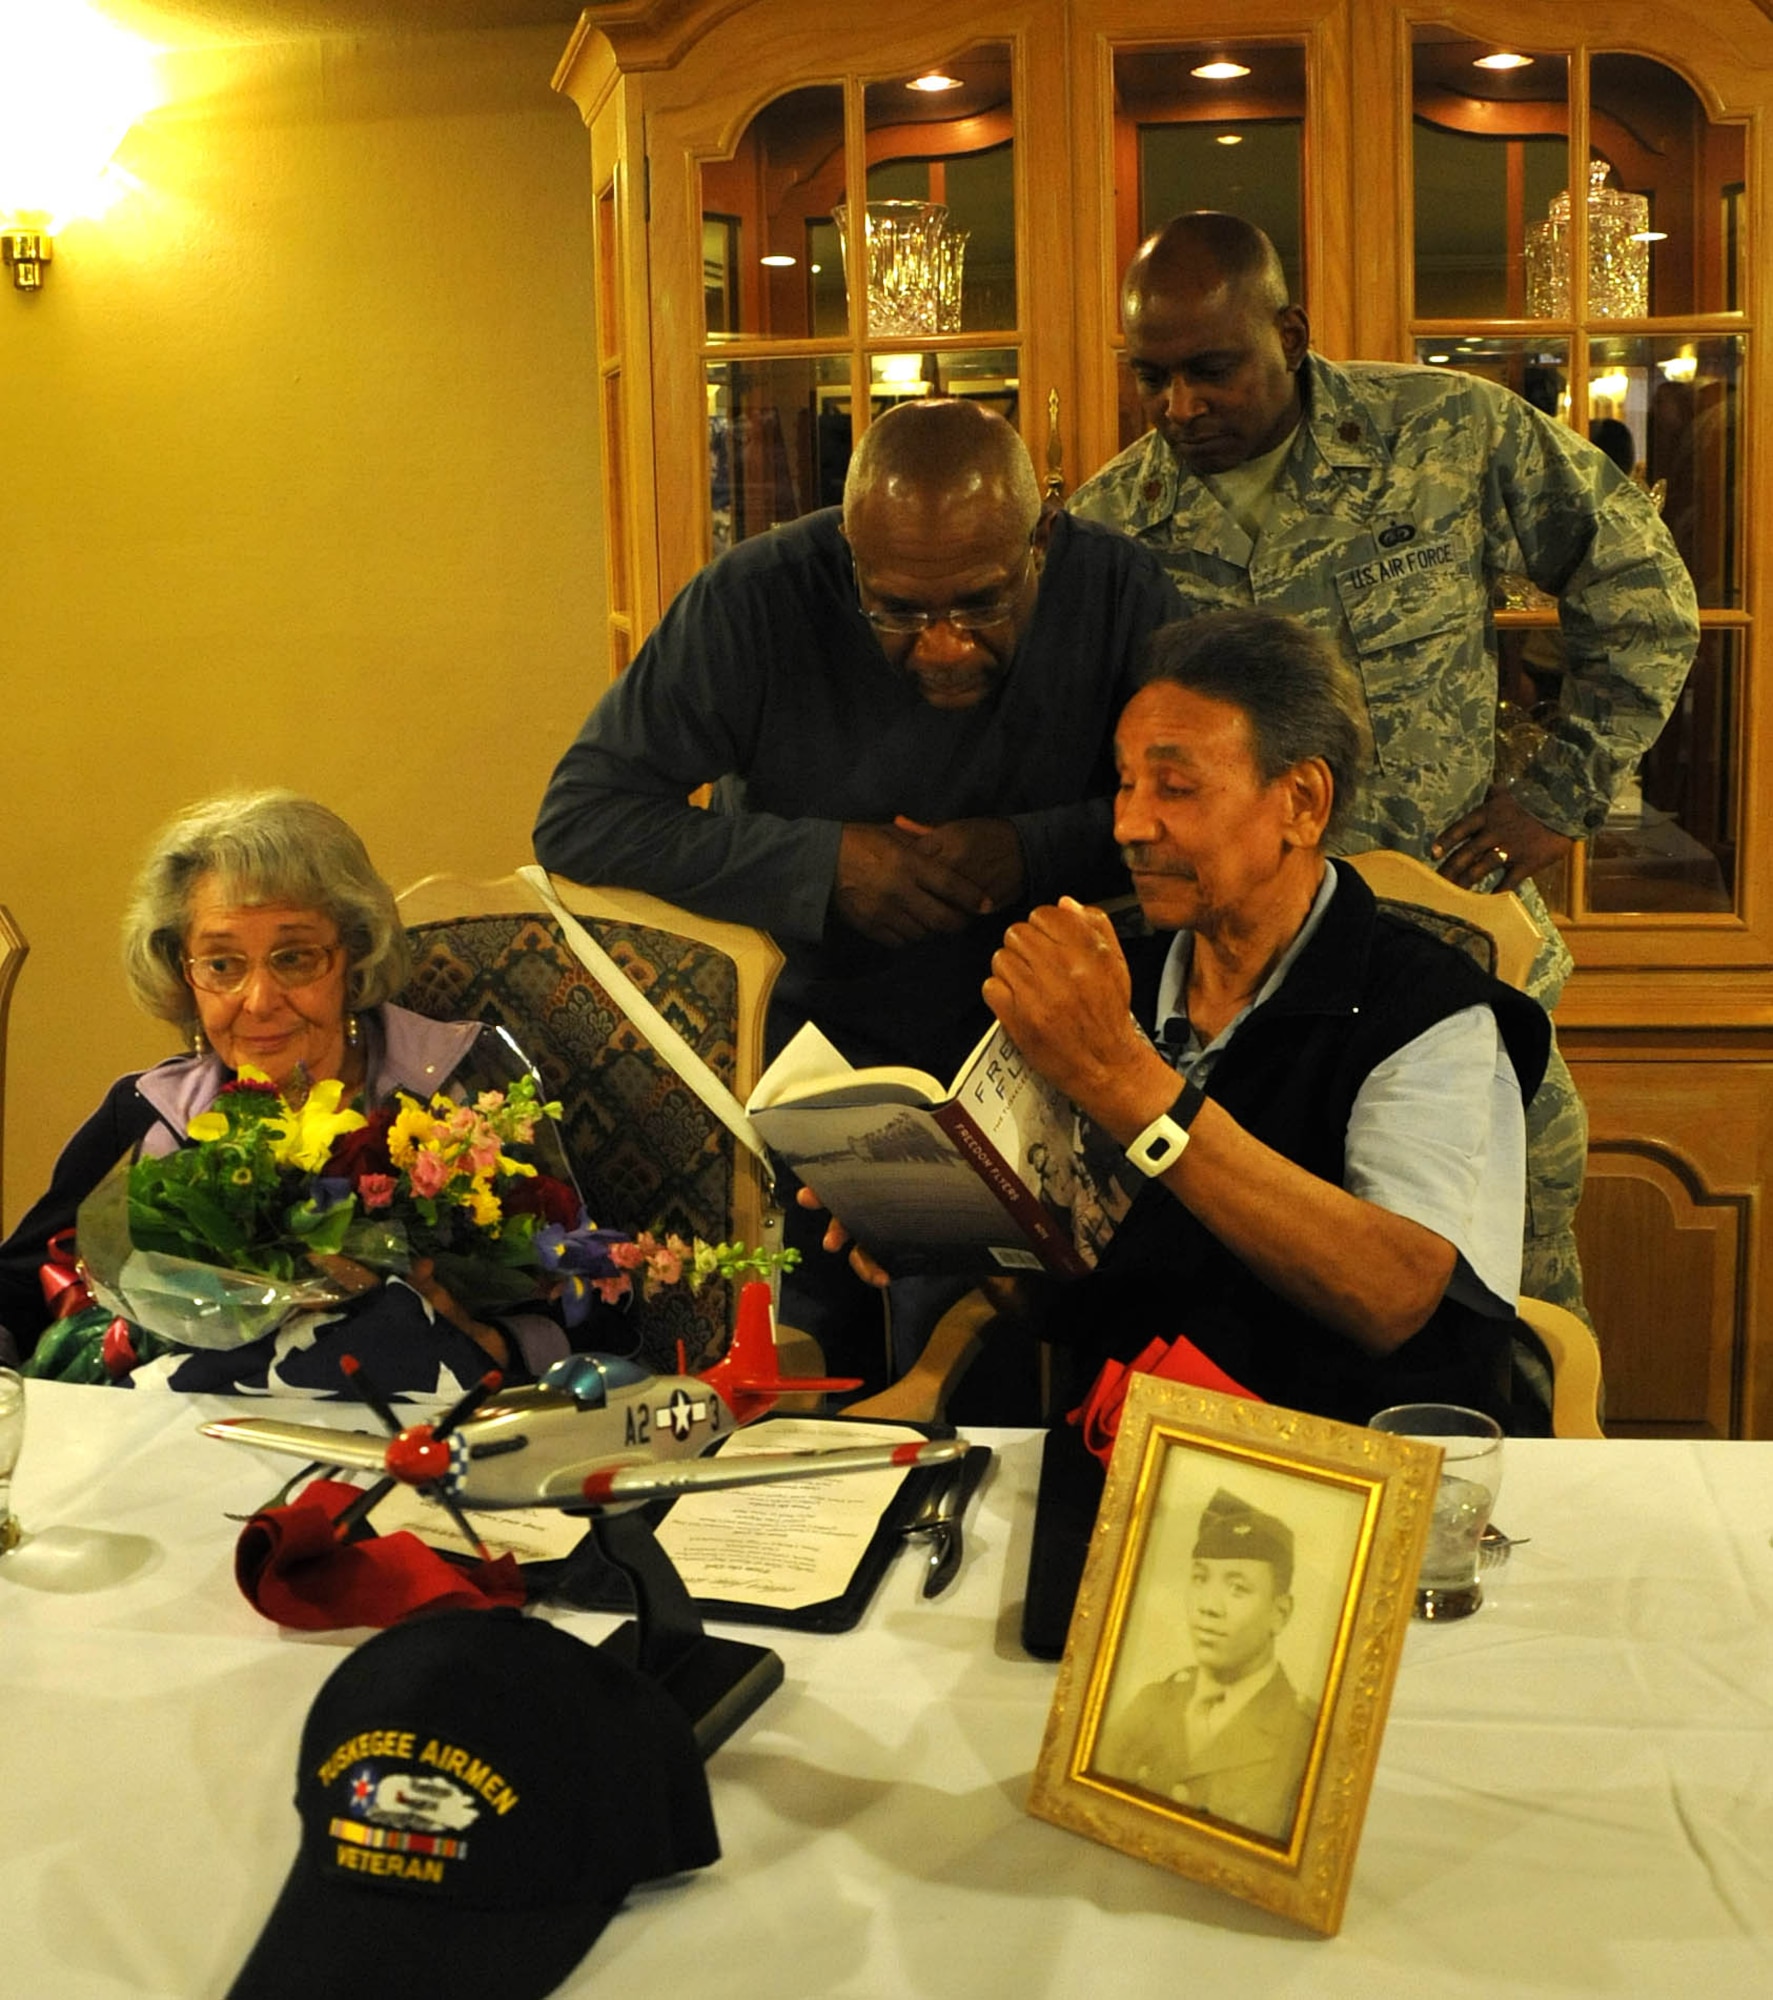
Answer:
x=298 y=485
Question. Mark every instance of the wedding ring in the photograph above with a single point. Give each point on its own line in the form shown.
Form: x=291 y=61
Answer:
x=1501 y=854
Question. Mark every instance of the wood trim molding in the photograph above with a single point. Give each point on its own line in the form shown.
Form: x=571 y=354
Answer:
x=1665 y=1260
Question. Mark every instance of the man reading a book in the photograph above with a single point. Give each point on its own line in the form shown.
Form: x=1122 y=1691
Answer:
x=905 y=710
x=1327 y=1101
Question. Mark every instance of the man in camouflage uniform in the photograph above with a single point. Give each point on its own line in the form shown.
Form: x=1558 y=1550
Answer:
x=1379 y=504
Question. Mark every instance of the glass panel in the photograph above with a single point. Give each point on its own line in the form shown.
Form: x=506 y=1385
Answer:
x=1650 y=126
x=1680 y=403
x=941 y=148
x=1185 y=141
x=1491 y=151
x=824 y=263
x=982 y=375
x=786 y=173
x=1532 y=367
x=778 y=442
x=1670 y=841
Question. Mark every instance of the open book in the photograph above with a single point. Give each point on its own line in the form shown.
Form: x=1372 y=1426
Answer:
x=994 y=1171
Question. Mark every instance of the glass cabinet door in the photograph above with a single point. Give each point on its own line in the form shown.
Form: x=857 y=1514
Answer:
x=840 y=279
x=1212 y=124
x=1627 y=282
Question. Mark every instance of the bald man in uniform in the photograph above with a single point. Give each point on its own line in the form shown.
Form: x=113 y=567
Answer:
x=1379 y=504
x=906 y=710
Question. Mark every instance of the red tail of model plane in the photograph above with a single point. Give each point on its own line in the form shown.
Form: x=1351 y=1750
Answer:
x=748 y=1377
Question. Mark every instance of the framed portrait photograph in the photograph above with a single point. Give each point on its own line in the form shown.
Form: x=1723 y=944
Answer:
x=1229 y=1666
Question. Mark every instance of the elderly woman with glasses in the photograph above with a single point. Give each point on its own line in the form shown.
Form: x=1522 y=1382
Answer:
x=260 y=929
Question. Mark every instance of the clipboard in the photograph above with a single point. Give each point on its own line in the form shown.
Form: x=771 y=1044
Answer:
x=597 y=1587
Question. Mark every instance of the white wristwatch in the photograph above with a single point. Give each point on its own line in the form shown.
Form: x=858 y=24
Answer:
x=1160 y=1145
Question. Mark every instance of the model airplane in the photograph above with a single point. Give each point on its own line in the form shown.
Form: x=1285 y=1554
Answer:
x=596 y=1433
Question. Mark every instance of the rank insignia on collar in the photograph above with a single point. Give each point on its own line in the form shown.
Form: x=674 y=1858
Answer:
x=1349 y=432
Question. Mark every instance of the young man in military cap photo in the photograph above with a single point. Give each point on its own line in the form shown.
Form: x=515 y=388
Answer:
x=1229 y=1735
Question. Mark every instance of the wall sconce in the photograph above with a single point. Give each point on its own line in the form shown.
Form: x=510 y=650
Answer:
x=25 y=252
x=75 y=83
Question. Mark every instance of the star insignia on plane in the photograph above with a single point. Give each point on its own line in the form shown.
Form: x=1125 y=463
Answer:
x=681 y=1414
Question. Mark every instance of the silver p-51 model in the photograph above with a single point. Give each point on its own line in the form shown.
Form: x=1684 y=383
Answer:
x=597 y=1433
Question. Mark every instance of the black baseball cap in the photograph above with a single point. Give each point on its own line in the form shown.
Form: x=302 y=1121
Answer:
x=478 y=1792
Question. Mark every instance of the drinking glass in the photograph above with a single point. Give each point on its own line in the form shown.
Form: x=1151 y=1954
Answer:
x=12 y=1435
x=1471 y=1477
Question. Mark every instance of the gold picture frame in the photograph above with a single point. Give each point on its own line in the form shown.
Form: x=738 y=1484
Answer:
x=1278 y=1534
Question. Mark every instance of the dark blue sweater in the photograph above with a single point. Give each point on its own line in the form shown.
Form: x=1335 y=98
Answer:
x=764 y=679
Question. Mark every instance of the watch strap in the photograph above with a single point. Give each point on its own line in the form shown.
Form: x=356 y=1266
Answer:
x=1161 y=1144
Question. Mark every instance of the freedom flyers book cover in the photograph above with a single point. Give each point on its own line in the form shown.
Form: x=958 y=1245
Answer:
x=995 y=1171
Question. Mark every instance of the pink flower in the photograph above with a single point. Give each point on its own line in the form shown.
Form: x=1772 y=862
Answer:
x=628 y=1256
x=612 y=1291
x=485 y=1158
x=377 y=1190
x=429 y=1174
x=666 y=1266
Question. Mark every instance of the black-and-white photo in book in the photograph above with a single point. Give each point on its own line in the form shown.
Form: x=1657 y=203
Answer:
x=994 y=1171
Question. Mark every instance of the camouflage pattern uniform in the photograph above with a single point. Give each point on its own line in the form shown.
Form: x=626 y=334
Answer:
x=1408 y=491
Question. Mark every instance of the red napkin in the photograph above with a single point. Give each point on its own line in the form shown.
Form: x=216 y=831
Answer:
x=1177 y=1360
x=291 y=1566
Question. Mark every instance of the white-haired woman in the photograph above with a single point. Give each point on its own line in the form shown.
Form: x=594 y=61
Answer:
x=261 y=930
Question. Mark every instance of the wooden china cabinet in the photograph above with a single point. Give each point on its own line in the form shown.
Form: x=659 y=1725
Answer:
x=1420 y=193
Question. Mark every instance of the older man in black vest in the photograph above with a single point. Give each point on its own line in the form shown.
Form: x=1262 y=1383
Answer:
x=1327 y=1102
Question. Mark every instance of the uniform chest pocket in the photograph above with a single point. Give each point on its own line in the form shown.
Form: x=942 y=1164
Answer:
x=1396 y=600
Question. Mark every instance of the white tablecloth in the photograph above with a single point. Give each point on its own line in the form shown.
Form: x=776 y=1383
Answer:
x=1575 y=1794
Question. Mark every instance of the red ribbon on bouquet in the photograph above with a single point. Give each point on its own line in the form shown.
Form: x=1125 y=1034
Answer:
x=64 y=1285
x=291 y=1565
x=1178 y=1360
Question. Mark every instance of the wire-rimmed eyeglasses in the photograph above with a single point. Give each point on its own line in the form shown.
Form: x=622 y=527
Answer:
x=960 y=617
x=290 y=965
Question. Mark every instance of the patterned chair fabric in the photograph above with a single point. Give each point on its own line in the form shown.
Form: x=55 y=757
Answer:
x=647 y=1153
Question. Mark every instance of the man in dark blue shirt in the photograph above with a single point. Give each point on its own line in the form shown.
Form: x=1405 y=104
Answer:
x=906 y=710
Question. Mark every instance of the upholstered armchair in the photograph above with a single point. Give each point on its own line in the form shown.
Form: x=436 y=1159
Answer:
x=647 y=1152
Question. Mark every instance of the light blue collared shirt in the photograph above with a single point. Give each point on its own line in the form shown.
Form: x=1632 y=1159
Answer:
x=1438 y=1132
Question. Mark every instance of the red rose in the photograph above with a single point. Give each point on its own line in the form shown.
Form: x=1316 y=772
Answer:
x=543 y=1195
x=364 y=1151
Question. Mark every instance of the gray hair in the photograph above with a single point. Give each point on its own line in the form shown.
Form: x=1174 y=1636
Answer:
x=1301 y=700
x=265 y=847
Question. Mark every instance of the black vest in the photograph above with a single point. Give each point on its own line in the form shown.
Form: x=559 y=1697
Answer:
x=1366 y=984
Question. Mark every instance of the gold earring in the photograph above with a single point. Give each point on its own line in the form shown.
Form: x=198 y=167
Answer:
x=353 y=1031
x=198 y=1045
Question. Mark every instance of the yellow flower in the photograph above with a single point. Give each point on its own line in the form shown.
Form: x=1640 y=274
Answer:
x=481 y=1203
x=308 y=1135
x=412 y=1127
x=207 y=1125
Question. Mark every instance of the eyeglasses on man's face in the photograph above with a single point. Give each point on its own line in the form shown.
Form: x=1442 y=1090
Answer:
x=960 y=617
x=290 y=965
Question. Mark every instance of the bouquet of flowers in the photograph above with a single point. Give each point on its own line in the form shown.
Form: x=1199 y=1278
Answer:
x=287 y=1198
